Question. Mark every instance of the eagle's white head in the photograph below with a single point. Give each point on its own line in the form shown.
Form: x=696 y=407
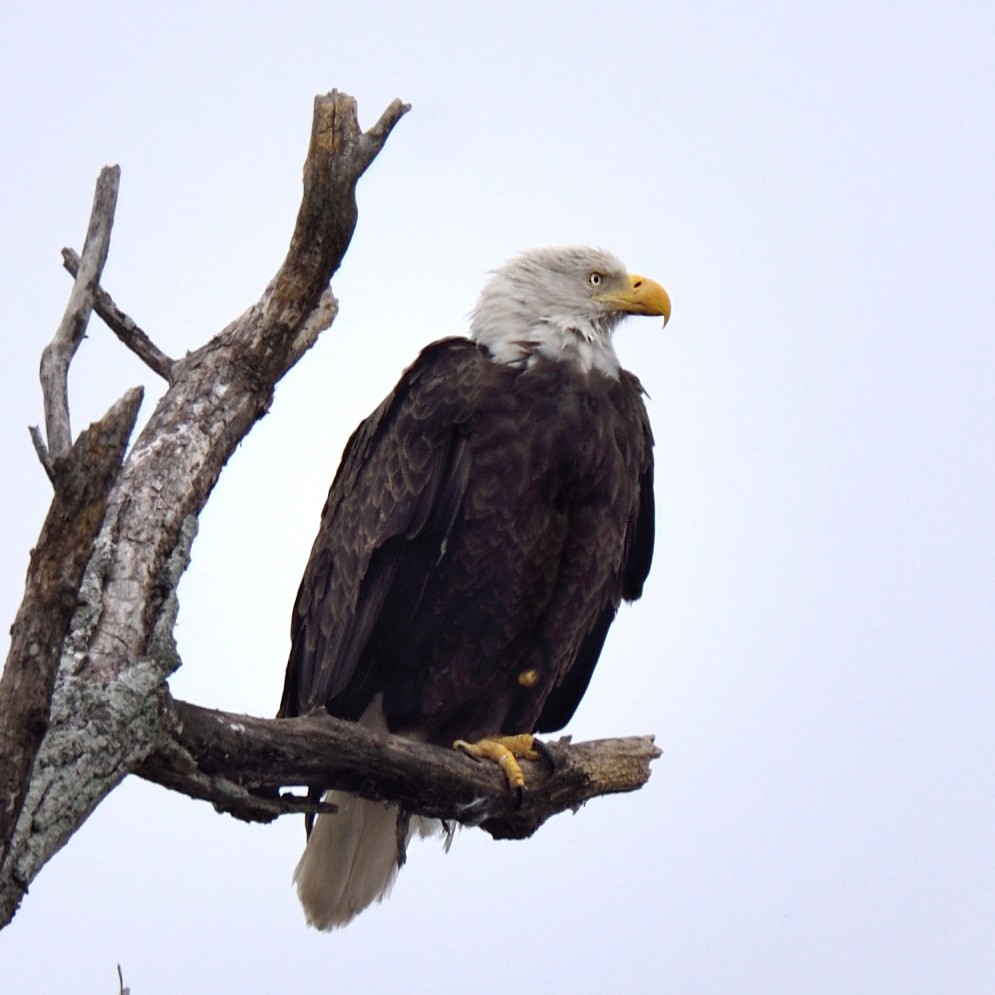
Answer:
x=562 y=304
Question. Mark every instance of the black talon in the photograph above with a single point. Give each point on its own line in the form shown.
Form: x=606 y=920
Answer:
x=545 y=752
x=520 y=793
x=467 y=753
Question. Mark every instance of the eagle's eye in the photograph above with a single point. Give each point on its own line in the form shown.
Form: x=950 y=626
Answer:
x=595 y=279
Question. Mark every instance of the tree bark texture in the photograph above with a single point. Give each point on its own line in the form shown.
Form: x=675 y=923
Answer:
x=239 y=763
x=83 y=698
x=82 y=485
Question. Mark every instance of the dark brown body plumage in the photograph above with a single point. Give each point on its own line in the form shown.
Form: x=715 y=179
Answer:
x=486 y=521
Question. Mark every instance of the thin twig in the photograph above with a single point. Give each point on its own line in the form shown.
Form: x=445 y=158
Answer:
x=58 y=354
x=123 y=326
x=42 y=450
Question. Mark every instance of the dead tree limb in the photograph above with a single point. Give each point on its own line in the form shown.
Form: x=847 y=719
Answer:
x=123 y=326
x=239 y=764
x=107 y=708
x=59 y=352
x=82 y=485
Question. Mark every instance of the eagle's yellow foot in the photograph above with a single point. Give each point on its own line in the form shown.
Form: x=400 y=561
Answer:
x=505 y=751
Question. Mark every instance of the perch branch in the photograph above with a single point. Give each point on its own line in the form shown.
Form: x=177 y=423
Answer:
x=58 y=354
x=122 y=325
x=239 y=763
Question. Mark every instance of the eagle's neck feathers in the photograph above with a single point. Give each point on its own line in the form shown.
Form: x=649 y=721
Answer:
x=559 y=338
x=541 y=305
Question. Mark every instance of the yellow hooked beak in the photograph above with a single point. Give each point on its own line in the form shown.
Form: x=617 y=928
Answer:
x=643 y=296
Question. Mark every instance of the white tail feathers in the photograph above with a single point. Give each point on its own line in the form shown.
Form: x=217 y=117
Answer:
x=350 y=860
x=351 y=857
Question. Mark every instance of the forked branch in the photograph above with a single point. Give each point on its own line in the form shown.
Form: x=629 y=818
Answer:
x=106 y=712
x=123 y=326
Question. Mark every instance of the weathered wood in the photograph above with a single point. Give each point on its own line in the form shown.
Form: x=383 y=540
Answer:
x=123 y=326
x=239 y=763
x=106 y=712
x=339 y=153
x=41 y=449
x=82 y=485
x=58 y=354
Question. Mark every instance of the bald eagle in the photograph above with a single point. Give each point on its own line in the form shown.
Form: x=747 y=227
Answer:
x=483 y=527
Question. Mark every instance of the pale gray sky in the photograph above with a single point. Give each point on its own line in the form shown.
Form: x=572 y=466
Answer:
x=813 y=184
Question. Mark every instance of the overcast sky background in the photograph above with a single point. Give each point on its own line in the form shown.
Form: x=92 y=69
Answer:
x=814 y=185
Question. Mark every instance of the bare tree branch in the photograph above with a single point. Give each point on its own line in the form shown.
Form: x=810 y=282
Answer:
x=58 y=354
x=77 y=511
x=122 y=325
x=108 y=705
x=340 y=152
x=239 y=763
x=38 y=441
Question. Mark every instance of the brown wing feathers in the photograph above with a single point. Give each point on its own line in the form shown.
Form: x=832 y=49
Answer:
x=403 y=466
x=484 y=521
